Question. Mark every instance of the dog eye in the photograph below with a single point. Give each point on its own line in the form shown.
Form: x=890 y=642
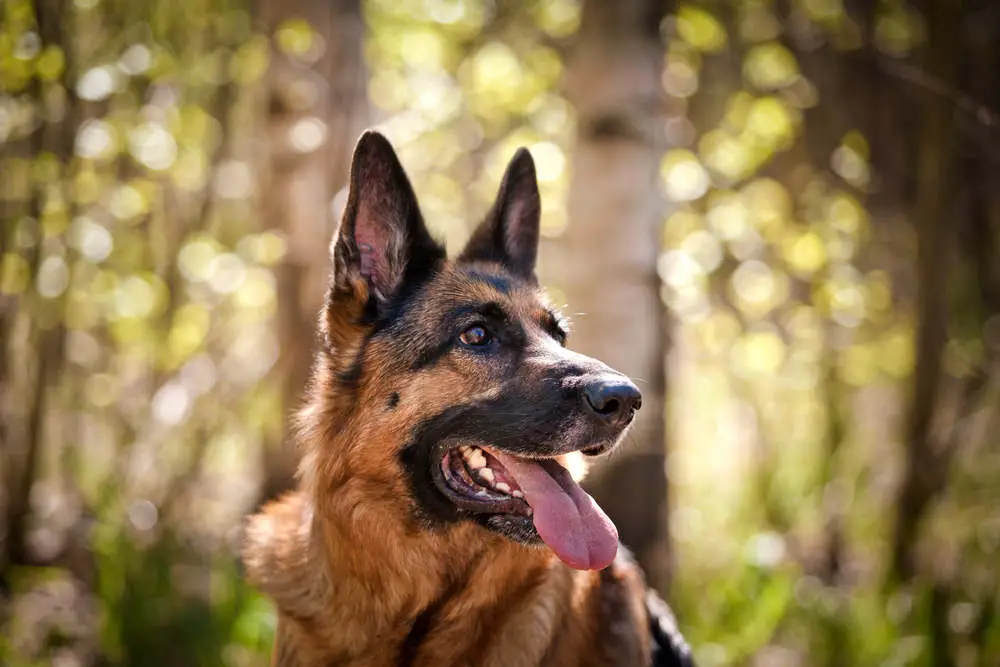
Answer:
x=476 y=336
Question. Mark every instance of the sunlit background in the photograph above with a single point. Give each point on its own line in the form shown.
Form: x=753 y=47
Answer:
x=782 y=217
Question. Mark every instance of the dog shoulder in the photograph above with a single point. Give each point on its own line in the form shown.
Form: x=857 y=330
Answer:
x=633 y=618
x=669 y=648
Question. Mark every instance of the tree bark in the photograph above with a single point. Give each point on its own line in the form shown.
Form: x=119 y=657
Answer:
x=926 y=466
x=611 y=245
x=40 y=351
x=304 y=180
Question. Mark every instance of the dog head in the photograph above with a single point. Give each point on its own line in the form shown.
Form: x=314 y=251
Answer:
x=446 y=386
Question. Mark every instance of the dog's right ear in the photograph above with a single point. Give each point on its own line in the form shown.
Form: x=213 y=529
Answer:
x=509 y=233
x=382 y=240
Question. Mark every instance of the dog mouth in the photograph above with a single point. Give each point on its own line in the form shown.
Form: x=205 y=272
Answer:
x=476 y=481
x=536 y=493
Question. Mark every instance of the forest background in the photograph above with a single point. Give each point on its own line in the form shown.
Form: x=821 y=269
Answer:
x=782 y=217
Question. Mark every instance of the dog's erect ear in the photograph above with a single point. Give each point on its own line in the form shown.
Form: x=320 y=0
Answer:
x=382 y=240
x=509 y=234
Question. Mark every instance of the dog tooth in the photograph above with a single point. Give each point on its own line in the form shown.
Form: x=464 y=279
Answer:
x=476 y=459
x=517 y=493
x=486 y=474
x=502 y=487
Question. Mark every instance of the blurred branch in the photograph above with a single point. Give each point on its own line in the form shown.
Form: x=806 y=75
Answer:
x=973 y=109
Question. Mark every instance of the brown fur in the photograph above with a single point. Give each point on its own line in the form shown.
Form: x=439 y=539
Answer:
x=361 y=579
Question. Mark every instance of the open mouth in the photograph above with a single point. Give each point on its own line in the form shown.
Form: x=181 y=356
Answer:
x=538 y=492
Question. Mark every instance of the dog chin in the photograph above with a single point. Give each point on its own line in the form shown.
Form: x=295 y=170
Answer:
x=514 y=527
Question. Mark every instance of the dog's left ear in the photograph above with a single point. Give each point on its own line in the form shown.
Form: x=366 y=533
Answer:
x=509 y=234
x=382 y=240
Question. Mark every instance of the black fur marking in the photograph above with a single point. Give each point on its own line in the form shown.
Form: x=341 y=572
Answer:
x=421 y=626
x=669 y=647
x=426 y=619
x=428 y=356
x=499 y=283
x=489 y=310
x=540 y=411
x=349 y=376
x=492 y=311
x=458 y=318
x=393 y=400
x=552 y=322
x=543 y=413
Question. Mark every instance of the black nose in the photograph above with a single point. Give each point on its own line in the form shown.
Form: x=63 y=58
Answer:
x=613 y=400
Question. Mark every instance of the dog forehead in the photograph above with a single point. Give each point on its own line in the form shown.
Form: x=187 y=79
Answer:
x=467 y=285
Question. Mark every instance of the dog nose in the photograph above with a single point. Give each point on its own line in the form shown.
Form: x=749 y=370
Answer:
x=614 y=400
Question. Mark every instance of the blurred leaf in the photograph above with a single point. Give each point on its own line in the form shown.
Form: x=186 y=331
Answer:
x=51 y=63
x=770 y=66
x=250 y=61
x=296 y=37
x=14 y=273
x=700 y=29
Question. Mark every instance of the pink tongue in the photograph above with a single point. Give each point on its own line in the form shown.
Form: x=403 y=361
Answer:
x=565 y=516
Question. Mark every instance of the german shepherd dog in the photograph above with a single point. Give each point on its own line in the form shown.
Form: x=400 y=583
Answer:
x=436 y=521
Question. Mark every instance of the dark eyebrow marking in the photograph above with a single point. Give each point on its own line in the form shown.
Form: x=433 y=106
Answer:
x=429 y=355
x=493 y=311
x=554 y=324
x=490 y=311
x=499 y=283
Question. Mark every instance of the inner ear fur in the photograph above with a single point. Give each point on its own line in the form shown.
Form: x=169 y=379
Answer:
x=382 y=241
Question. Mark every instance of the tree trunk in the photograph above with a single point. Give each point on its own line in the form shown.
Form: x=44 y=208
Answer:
x=316 y=114
x=612 y=243
x=926 y=466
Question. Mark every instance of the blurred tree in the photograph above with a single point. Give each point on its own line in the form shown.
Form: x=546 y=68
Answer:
x=926 y=466
x=612 y=241
x=23 y=417
x=832 y=135
x=135 y=298
x=318 y=106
